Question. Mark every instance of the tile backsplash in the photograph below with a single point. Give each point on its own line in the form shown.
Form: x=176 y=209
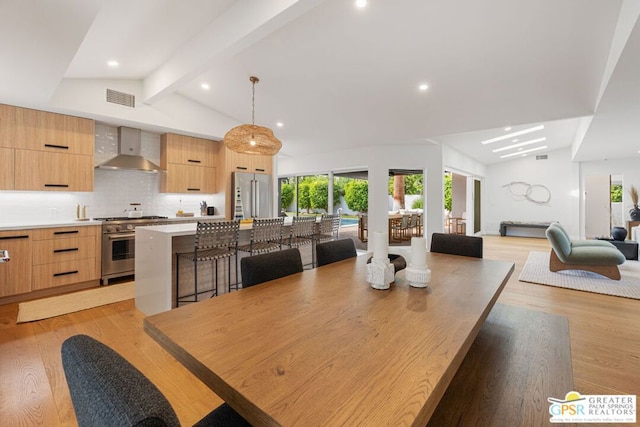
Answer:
x=113 y=190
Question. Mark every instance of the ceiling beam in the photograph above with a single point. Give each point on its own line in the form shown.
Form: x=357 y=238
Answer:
x=243 y=24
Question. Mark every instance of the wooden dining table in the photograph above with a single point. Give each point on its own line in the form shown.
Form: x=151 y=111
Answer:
x=323 y=348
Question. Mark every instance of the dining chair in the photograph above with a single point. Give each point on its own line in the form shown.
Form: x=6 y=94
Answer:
x=455 y=244
x=214 y=240
x=334 y=251
x=266 y=236
x=400 y=228
x=107 y=390
x=258 y=269
x=413 y=225
x=302 y=232
x=325 y=229
x=363 y=228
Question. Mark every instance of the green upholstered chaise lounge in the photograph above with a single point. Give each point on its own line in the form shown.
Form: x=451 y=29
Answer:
x=597 y=256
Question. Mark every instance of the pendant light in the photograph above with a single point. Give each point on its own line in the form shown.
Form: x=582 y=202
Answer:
x=252 y=139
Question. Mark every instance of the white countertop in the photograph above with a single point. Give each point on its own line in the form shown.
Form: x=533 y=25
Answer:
x=47 y=223
x=56 y=222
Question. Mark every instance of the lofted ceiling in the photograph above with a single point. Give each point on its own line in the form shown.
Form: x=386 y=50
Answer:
x=339 y=76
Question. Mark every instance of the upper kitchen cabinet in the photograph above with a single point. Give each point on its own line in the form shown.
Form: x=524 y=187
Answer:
x=28 y=129
x=42 y=171
x=229 y=161
x=236 y=162
x=190 y=164
x=187 y=150
x=6 y=169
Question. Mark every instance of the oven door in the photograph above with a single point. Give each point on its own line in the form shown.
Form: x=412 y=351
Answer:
x=118 y=255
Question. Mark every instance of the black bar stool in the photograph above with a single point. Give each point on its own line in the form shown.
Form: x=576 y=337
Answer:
x=214 y=240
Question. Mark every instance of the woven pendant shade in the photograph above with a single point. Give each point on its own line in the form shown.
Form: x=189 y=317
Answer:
x=239 y=139
x=252 y=139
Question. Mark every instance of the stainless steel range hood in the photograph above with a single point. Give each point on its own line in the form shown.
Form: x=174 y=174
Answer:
x=129 y=157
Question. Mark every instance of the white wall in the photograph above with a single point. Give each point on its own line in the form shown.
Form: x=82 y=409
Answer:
x=378 y=161
x=557 y=173
x=628 y=169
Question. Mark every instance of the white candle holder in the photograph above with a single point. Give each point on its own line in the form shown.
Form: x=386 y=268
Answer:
x=418 y=273
x=380 y=273
x=418 y=277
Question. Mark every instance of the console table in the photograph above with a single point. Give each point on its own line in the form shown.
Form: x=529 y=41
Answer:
x=522 y=224
x=630 y=225
x=629 y=248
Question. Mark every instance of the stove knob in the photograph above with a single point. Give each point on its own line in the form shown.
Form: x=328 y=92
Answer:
x=108 y=228
x=118 y=228
x=129 y=226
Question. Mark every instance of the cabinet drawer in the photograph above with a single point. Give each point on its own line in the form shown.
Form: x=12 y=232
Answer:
x=41 y=171
x=188 y=179
x=65 y=232
x=63 y=273
x=67 y=249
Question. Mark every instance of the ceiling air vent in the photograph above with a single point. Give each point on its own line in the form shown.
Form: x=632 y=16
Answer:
x=121 y=98
x=541 y=157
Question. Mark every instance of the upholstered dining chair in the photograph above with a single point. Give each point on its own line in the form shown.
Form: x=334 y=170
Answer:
x=270 y=266
x=334 y=251
x=107 y=390
x=456 y=244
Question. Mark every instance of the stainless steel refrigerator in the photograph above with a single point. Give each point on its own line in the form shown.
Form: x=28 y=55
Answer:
x=252 y=195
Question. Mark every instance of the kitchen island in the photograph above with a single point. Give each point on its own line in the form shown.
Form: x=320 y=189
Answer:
x=155 y=250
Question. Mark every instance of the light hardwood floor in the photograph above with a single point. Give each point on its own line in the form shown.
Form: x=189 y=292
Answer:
x=605 y=346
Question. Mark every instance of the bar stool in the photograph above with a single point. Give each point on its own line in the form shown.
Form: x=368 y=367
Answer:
x=302 y=233
x=214 y=240
x=266 y=236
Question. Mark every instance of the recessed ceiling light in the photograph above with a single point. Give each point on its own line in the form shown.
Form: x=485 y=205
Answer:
x=507 y=129
x=517 y=153
x=511 y=135
x=361 y=3
x=205 y=86
x=423 y=87
x=522 y=144
x=113 y=63
x=279 y=124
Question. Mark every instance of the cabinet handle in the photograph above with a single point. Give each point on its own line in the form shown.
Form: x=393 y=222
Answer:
x=14 y=237
x=57 y=185
x=193 y=189
x=242 y=168
x=64 y=250
x=65 y=273
x=194 y=161
x=66 y=232
x=260 y=170
x=63 y=147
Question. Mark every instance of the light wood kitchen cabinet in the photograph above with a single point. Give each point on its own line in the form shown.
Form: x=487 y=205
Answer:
x=7 y=163
x=188 y=179
x=48 y=151
x=187 y=150
x=189 y=164
x=65 y=255
x=15 y=275
x=29 y=129
x=40 y=171
x=229 y=161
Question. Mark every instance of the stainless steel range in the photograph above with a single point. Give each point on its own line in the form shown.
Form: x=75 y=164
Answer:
x=118 y=244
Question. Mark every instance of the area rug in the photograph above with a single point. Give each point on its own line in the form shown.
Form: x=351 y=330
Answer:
x=536 y=270
x=64 y=304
